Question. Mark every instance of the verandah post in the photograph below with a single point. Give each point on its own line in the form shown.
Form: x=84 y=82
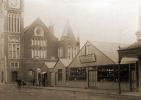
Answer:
x=119 y=80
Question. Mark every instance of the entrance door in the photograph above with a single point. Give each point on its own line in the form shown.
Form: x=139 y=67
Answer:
x=45 y=79
x=14 y=76
x=132 y=81
x=132 y=77
x=92 y=78
x=55 y=78
x=2 y=77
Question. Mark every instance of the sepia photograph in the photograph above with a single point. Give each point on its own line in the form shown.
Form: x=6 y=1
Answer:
x=70 y=49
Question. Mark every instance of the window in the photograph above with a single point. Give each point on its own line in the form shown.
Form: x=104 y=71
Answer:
x=10 y=51
x=59 y=74
x=106 y=73
x=60 y=52
x=13 y=50
x=14 y=65
x=38 y=31
x=77 y=74
x=40 y=53
x=14 y=23
x=69 y=52
x=110 y=73
x=88 y=49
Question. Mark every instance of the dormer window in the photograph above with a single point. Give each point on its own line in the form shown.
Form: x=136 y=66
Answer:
x=38 y=31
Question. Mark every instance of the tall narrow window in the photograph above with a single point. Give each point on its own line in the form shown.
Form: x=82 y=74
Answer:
x=13 y=50
x=10 y=23
x=19 y=24
x=18 y=51
x=69 y=52
x=14 y=23
x=32 y=53
x=59 y=74
x=10 y=50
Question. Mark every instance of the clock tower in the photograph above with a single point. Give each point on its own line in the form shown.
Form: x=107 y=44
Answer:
x=12 y=16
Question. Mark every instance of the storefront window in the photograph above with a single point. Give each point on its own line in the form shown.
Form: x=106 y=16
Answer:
x=105 y=73
x=77 y=74
x=110 y=73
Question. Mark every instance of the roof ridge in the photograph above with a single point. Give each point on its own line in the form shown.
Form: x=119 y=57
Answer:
x=108 y=42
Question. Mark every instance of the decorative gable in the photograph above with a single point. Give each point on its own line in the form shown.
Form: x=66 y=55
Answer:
x=84 y=59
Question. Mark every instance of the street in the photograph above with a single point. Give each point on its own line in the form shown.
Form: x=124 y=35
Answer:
x=12 y=93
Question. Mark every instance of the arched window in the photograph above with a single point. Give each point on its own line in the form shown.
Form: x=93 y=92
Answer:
x=38 y=31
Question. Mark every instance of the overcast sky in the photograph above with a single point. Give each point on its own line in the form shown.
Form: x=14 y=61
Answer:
x=97 y=20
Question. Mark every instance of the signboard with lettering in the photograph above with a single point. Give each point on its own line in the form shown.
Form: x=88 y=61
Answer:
x=87 y=58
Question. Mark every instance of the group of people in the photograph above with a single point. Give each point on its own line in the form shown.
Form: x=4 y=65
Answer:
x=40 y=82
x=20 y=83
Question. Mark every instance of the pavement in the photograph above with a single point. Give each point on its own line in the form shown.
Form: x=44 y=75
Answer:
x=32 y=90
x=90 y=91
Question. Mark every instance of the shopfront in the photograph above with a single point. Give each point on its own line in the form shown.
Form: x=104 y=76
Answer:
x=133 y=51
x=96 y=66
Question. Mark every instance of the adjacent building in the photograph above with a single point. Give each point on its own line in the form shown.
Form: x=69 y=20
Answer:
x=96 y=66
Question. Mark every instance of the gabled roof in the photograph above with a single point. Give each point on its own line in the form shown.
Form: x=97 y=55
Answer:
x=68 y=33
x=38 y=20
x=109 y=49
x=50 y=64
x=65 y=62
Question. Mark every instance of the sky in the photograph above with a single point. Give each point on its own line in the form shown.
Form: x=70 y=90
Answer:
x=94 y=20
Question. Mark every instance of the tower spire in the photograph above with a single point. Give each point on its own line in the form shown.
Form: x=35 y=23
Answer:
x=68 y=33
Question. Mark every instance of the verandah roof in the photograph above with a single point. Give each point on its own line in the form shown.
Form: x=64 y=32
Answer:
x=133 y=50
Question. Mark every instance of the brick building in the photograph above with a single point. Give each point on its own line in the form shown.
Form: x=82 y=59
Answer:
x=28 y=49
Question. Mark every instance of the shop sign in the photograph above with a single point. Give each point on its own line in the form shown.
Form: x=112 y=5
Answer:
x=87 y=58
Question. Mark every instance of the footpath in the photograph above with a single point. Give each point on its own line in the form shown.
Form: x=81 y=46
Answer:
x=79 y=90
x=91 y=91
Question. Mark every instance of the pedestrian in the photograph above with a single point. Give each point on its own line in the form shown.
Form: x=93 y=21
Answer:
x=33 y=82
x=44 y=82
x=18 y=81
x=23 y=83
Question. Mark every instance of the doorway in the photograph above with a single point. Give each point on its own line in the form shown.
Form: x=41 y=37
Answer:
x=92 y=78
x=14 y=76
